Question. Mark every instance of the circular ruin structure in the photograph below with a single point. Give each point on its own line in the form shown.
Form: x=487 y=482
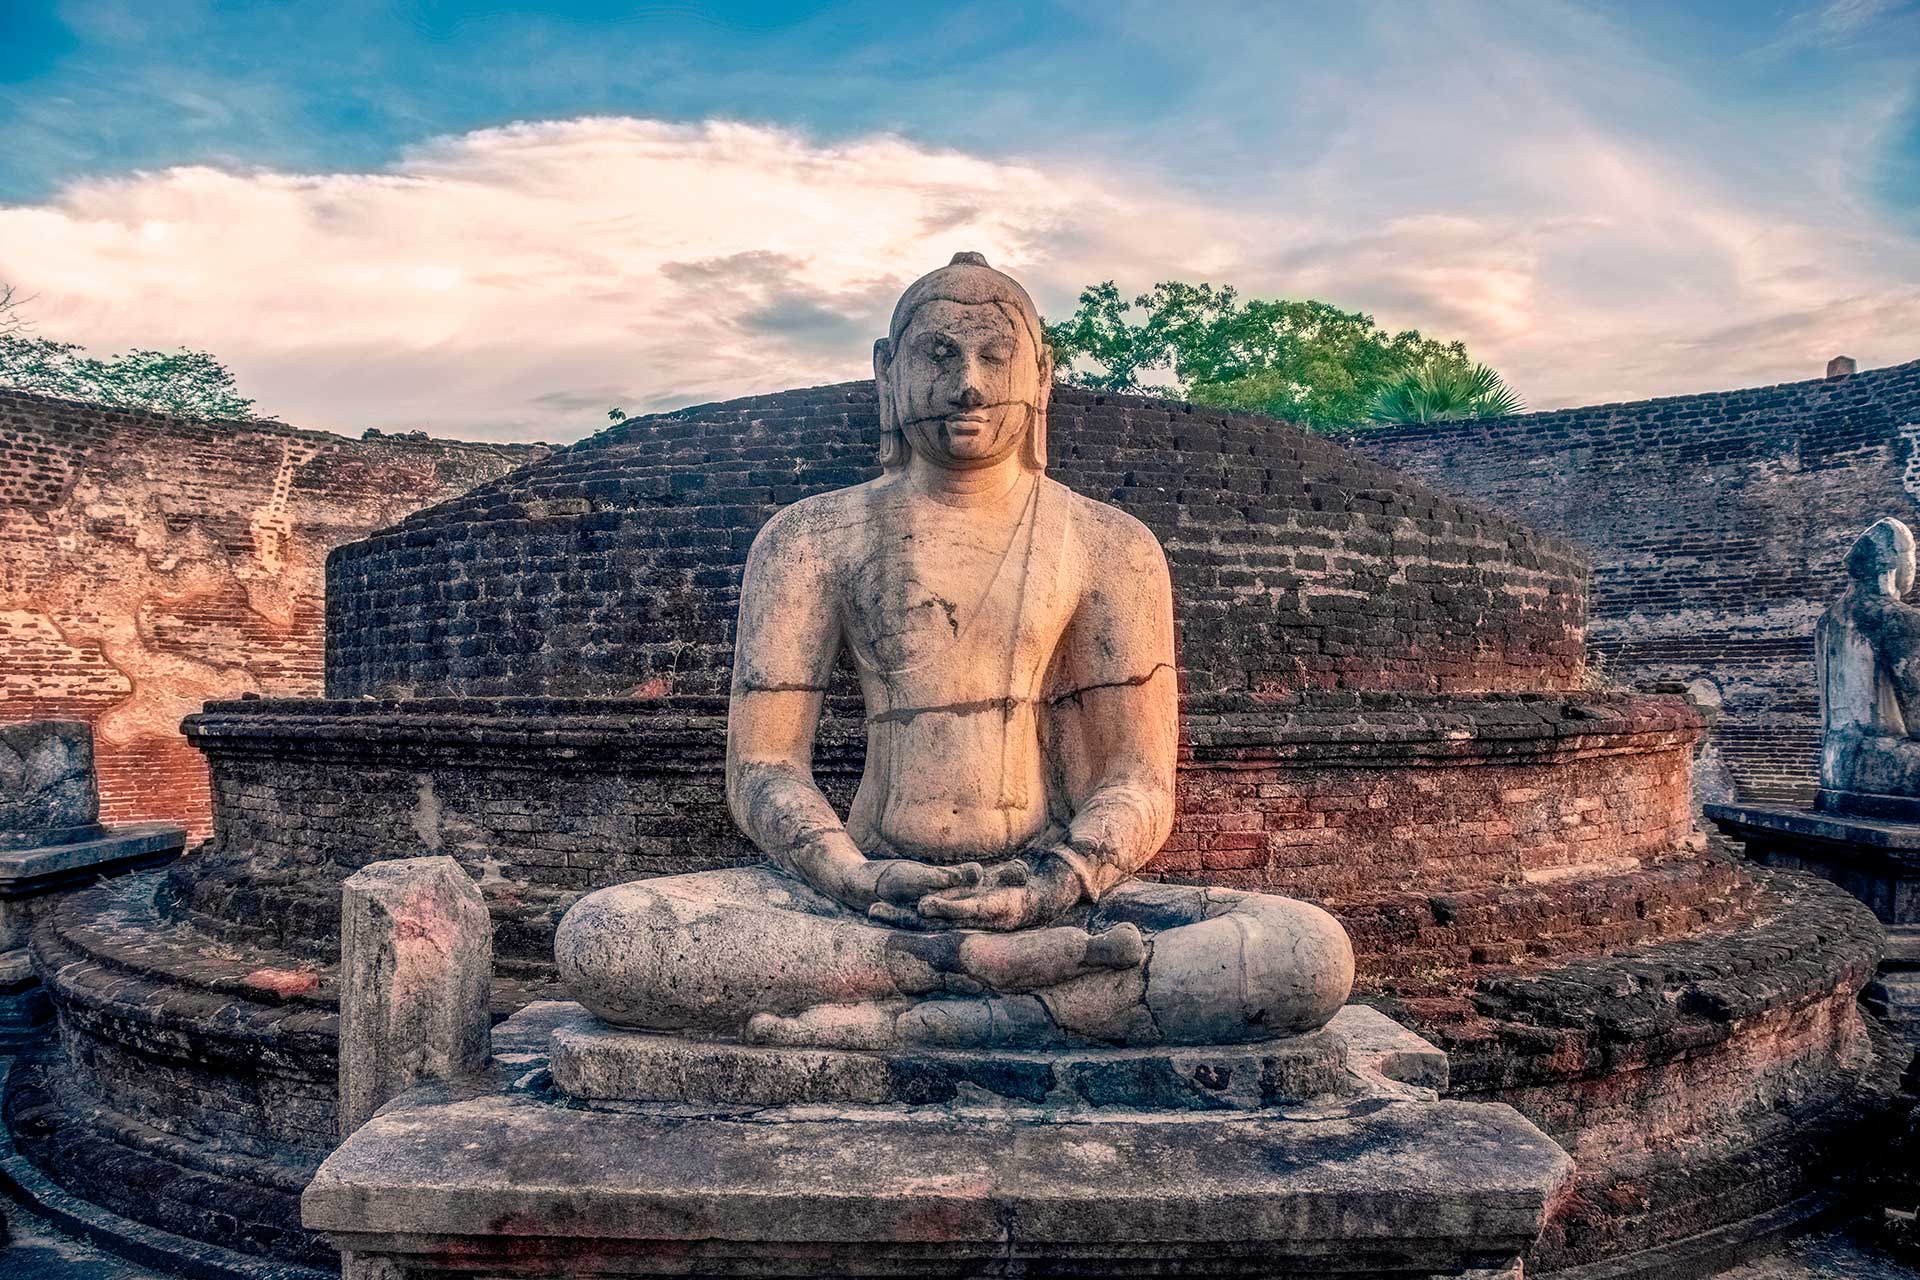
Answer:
x=1385 y=710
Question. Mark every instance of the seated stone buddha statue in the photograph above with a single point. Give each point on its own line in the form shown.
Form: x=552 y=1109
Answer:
x=1014 y=645
x=1867 y=651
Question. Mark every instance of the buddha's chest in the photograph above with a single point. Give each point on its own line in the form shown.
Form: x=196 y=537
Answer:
x=959 y=603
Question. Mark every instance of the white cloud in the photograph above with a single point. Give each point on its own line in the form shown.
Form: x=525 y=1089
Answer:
x=516 y=281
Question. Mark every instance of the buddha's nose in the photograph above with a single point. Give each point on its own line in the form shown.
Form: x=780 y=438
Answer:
x=970 y=397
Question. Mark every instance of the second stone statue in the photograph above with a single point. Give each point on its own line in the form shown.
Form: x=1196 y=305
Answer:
x=1014 y=643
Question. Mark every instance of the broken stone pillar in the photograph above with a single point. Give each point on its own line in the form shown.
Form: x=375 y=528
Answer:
x=1840 y=366
x=416 y=965
x=51 y=841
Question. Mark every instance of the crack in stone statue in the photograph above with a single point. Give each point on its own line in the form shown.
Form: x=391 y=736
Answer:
x=1867 y=652
x=1014 y=643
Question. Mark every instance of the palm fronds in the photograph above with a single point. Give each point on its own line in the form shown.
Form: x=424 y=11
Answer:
x=1444 y=391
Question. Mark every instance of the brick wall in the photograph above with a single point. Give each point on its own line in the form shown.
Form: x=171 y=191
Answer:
x=152 y=563
x=613 y=568
x=1376 y=805
x=1717 y=524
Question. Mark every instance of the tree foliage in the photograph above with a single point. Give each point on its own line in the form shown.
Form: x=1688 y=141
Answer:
x=1309 y=361
x=1444 y=392
x=192 y=384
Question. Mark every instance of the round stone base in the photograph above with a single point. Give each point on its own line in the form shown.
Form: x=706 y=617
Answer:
x=597 y=1062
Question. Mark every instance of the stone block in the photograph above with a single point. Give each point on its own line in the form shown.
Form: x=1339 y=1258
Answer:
x=592 y=1060
x=416 y=965
x=1384 y=1181
x=47 y=793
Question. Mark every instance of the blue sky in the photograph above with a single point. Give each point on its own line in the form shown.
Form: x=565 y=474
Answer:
x=484 y=219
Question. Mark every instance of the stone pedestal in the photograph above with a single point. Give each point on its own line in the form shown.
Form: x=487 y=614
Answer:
x=51 y=840
x=1875 y=859
x=1296 y=1158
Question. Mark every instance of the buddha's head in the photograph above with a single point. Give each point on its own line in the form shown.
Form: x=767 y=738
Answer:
x=1882 y=560
x=964 y=371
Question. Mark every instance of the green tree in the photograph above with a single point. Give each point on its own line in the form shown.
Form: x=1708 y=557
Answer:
x=1306 y=361
x=1444 y=392
x=192 y=384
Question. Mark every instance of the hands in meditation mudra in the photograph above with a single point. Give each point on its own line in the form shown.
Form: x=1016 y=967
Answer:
x=1014 y=643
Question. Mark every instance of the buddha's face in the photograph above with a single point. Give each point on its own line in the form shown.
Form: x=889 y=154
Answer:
x=966 y=382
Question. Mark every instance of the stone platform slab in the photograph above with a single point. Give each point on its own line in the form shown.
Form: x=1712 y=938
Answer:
x=506 y=1177
x=31 y=876
x=596 y=1062
x=35 y=869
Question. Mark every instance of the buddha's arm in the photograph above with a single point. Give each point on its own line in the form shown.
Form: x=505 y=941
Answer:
x=1894 y=630
x=1114 y=715
x=787 y=639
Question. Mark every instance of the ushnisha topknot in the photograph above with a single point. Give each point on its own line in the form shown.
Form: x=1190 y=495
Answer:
x=966 y=279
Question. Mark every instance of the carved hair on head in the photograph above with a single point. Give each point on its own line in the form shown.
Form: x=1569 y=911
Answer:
x=967 y=280
x=1884 y=548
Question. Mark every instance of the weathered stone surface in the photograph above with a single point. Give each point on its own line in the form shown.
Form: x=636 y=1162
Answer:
x=51 y=842
x=28 y=875
x=1697 y=1083
x=47 y=791
x=1474 y=838
x=1385 y=1182
x=1287 y=553
x=416 y=961
x=593 y=1061
x=1016 y=655
x=32 y=879
x=1876 y=860
x=1867 y=659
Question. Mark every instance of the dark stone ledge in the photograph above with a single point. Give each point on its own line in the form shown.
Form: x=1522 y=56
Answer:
x=688 y=734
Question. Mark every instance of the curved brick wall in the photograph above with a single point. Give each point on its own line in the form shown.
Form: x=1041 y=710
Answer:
x=614 y=567
x=1712 y=1069
x=1718 y=525
x=1353 y=801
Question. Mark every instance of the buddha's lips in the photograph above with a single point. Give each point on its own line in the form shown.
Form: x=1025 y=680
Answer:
x=967 y=415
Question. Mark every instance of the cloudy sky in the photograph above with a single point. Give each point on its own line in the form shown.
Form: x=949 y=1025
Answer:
x=494 y=220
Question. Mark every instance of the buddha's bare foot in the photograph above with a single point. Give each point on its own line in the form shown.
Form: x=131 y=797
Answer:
x=1033 y=958
x=866 y=1025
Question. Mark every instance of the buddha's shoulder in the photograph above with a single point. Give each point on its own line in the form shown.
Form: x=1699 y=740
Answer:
x=1109 y=534
x=820 y=519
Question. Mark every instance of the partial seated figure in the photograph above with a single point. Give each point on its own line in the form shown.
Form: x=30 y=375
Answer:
x=1014 y=643
x=1867 y=654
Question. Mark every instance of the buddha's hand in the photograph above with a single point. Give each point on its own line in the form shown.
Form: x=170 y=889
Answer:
x=879 y=882
x=1013 y=895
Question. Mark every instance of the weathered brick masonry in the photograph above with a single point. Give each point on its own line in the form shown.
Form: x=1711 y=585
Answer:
x=151 y=563
x=1384 y=708
x=1373 y=804
x=1717 y=523
x=614 y=568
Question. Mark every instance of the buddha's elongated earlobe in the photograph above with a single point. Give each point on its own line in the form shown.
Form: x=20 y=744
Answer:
x=1033 y=449
x=894 y=449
